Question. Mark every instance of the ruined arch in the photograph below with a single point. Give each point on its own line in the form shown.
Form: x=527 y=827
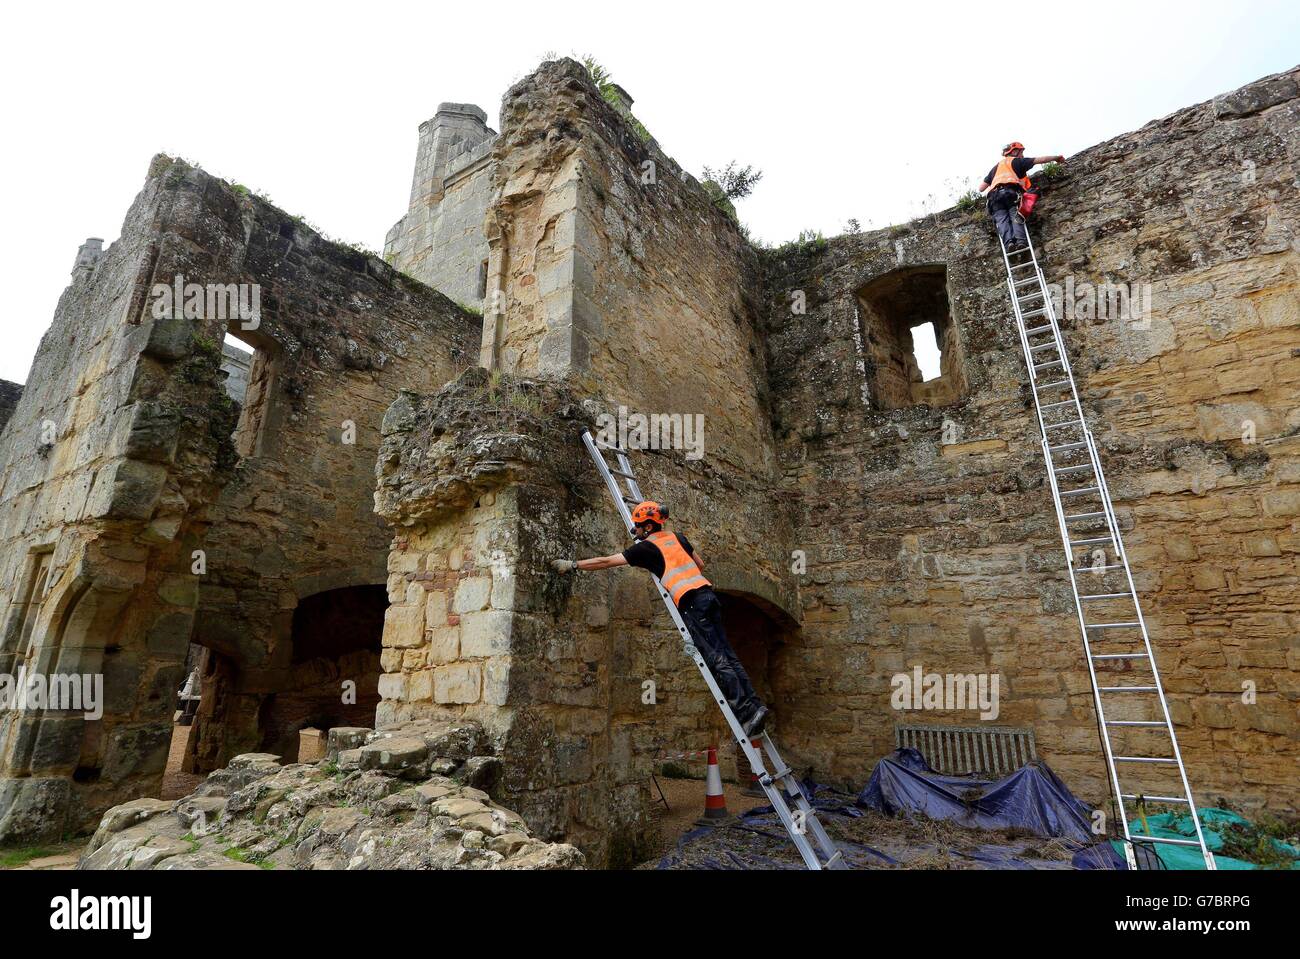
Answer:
x=323 y=671
x=757 y=630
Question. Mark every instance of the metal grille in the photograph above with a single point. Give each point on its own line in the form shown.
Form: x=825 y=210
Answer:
x=963 y=750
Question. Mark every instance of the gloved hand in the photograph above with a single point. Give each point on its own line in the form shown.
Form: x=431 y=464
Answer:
x=563 y=565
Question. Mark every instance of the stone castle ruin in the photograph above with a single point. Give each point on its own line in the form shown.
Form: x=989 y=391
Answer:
x=349 y=522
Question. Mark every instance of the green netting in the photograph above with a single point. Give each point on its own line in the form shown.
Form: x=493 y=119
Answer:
x=1178 y=825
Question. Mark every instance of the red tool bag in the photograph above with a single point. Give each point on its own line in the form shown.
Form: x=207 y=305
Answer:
x=1027 y=201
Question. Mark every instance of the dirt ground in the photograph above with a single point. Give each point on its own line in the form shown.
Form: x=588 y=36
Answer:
x=686 y=805
x=900 y=843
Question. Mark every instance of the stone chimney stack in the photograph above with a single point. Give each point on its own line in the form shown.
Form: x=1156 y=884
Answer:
x=455 y=129
x=88 y=255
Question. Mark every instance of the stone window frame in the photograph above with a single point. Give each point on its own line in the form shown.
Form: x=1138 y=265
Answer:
x=20 y=631
x=251 y=432
x=871 y=299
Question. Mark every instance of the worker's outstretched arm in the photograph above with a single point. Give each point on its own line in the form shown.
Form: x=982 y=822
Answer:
x=595 y=562
x=1056 y=159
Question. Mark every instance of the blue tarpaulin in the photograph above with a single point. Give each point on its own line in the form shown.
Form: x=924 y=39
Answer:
x=1031 y=798
x=1011 y=812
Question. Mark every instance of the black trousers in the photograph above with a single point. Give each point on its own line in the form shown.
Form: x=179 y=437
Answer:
x=1004 y=204
x=702 y=614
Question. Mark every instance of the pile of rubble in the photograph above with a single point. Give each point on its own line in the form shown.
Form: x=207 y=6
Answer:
x=409 y=797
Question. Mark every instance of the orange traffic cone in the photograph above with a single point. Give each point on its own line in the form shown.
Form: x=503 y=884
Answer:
x=715 y=803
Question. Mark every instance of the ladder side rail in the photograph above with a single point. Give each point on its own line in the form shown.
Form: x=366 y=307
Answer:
x=1094 y=459
x=1050 y=308
x=1088 y=659
x=1155 y=670
x=610 y=483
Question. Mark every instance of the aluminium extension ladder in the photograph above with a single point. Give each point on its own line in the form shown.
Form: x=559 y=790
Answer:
x=782 y=788
x=1110 y=616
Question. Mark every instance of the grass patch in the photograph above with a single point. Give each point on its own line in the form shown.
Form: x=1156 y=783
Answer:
x=12 y=858
x=1052 y=171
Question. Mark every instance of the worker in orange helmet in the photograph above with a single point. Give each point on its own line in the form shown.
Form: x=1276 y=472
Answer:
x=1007 y=183
x=678 y=566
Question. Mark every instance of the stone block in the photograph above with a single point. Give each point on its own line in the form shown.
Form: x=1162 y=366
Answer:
x=404 y=625
x=485 y=633
x=457 y=683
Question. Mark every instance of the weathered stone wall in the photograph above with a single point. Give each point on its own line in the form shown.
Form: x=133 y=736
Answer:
x=113 y=439
x=942 y=549
x=440 y=239
x=120 y=458
x=9 y=394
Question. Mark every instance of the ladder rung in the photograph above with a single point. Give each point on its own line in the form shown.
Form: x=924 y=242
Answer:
x=1080 y=491
x=1062 y=425
x=1099 y=596
x=1171 y=842
x=1021 y=266
x=1099 y=569
x=1038 y=312
x=1052 y=406
x=1032 y=279
x=628 y=499
x=1126 y=689
x=1090 y=541
x=1111 y=625
x=1065 y=447
x=1162 y=760
x=1134 y=722
x=600 y=444
x=1118 y=656
x=621 y=473
x=1039 y=329
x=1049 y=386
x=1080 y=517
x=1048 y=365
x=839 y=854
x=1153 y=798
x=1043 y=346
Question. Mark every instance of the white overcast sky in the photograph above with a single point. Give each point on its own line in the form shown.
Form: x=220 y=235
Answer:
x=850 y=110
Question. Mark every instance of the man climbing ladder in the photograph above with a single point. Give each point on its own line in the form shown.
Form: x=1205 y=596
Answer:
x=678 y=567
x=779 y=784
x=1007 y=183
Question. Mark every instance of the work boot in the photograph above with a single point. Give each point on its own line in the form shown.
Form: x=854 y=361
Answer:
x=755 y=723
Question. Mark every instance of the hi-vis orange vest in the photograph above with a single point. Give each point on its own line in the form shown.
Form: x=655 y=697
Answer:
x=1005 y=173
x=681 y=573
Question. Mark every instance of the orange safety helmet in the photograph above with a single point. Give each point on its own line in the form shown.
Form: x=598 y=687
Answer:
x=1013 y=145
x=649 y=512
